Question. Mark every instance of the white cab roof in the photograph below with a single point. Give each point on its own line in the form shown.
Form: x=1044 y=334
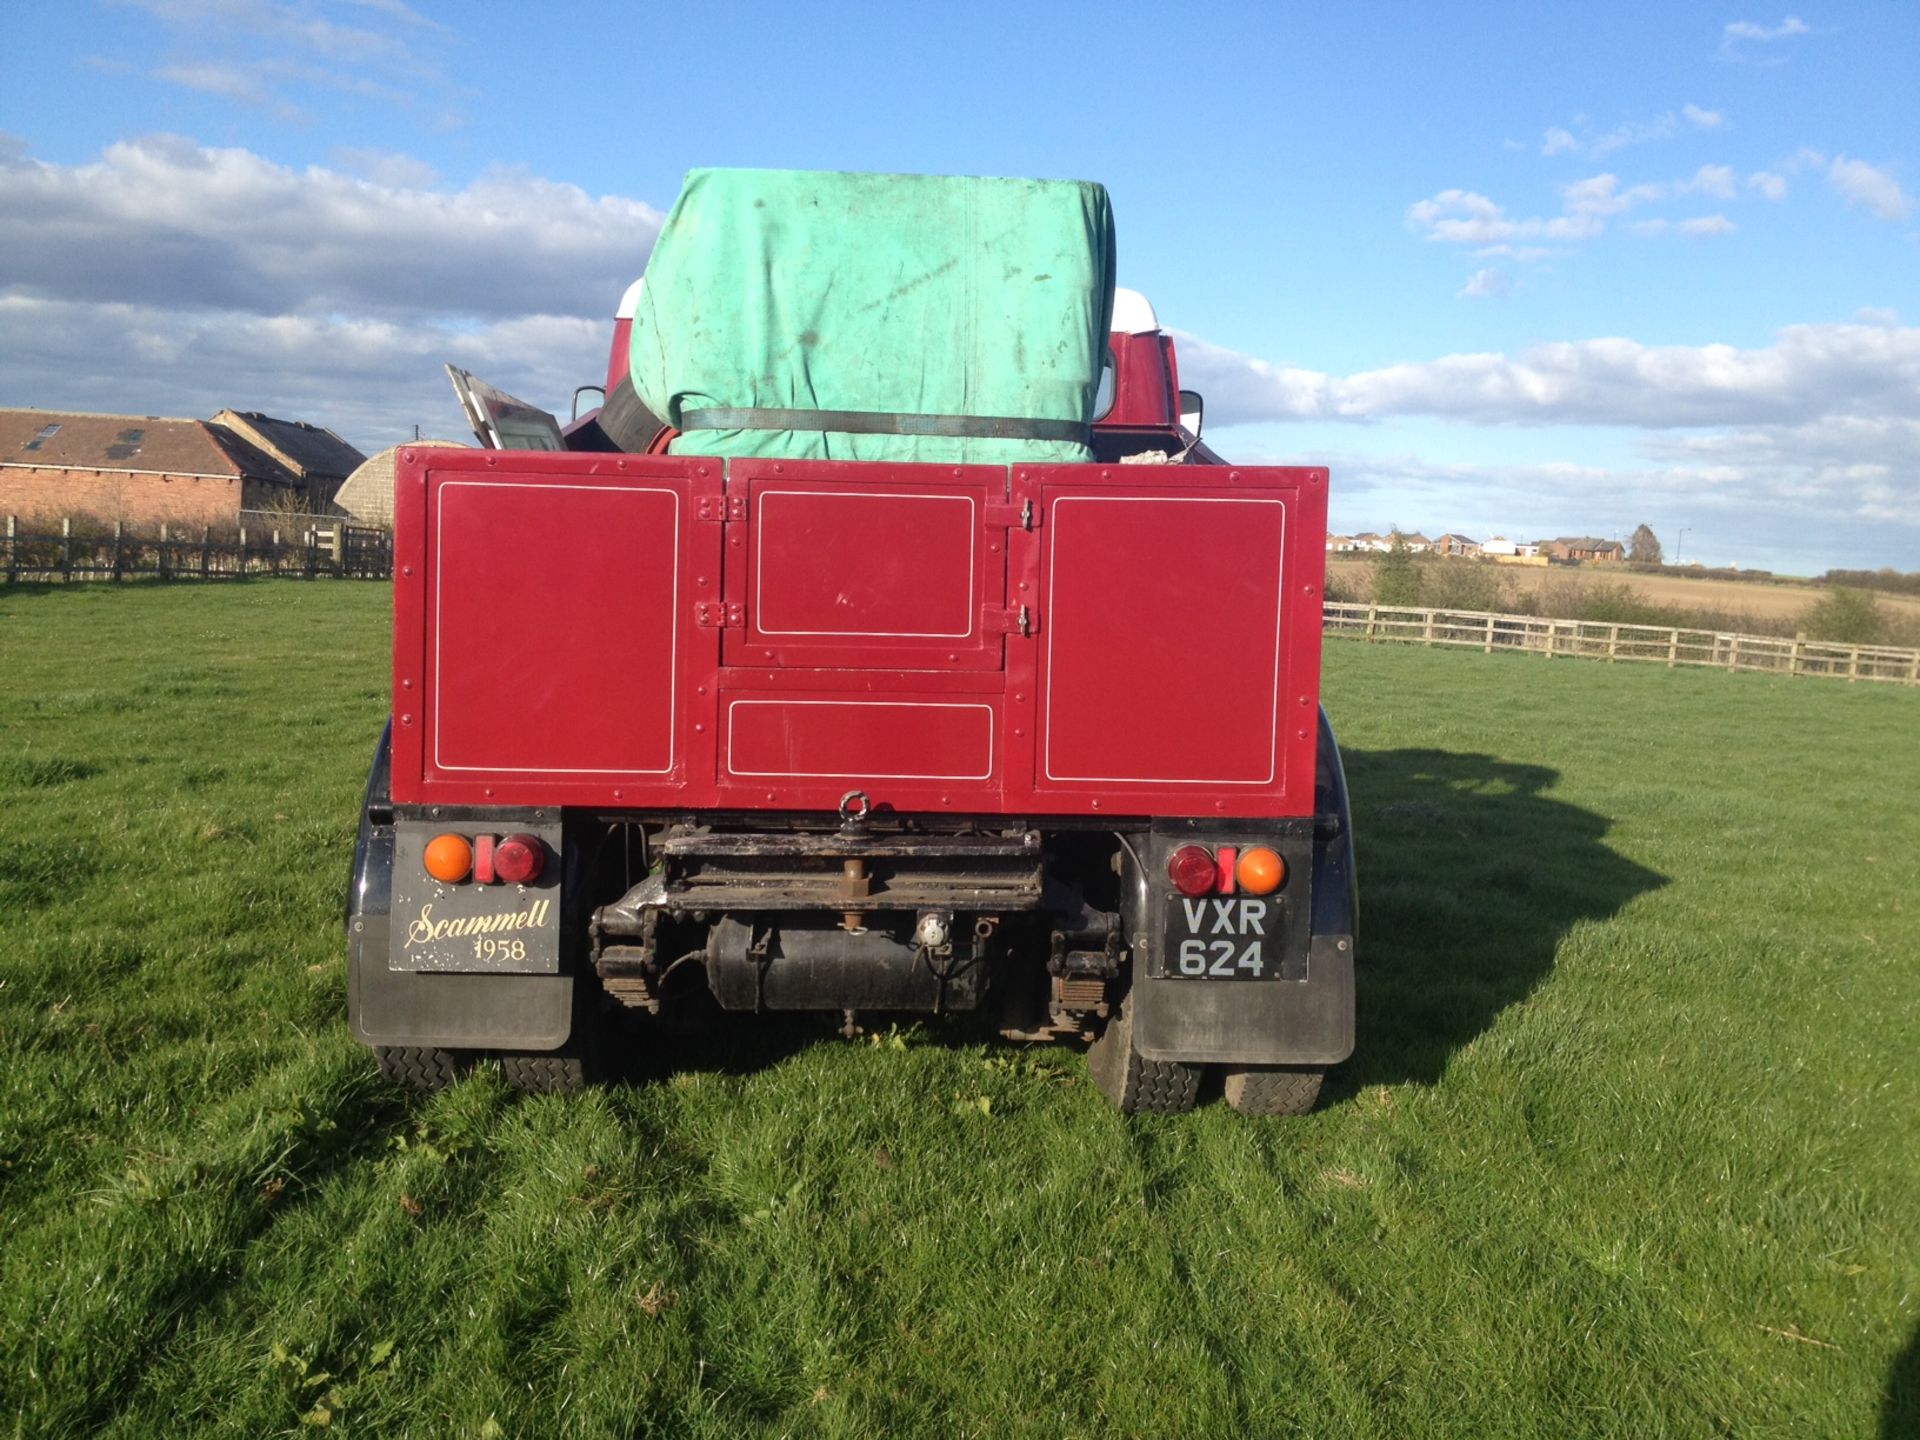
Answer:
x=1133 y=313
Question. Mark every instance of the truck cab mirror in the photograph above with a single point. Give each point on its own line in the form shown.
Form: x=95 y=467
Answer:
x=1192 y=408
x=580 y=390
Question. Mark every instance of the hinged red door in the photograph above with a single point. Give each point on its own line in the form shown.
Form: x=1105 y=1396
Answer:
x=546 y=642
x=871 y=567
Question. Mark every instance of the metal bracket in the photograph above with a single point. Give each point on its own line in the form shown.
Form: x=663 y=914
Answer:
x=1024 y=516
x=720 y=615
x=1022 y=622
x=719 y=509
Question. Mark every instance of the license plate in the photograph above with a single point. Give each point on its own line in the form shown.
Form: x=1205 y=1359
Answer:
x=1223 y=937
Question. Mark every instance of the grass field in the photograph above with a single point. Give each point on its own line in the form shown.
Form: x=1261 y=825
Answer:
x=1631 y=1144
x=1764 y=601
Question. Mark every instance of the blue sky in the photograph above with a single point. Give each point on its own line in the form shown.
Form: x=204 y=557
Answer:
x=1507 y=268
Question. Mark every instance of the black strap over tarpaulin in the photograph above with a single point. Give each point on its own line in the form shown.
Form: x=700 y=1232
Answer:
x=881 y=422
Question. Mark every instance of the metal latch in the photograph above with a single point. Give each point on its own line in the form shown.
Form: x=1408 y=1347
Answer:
x=1008 y=517
x=1022 y=622
x=720 y=615
x=718 y=509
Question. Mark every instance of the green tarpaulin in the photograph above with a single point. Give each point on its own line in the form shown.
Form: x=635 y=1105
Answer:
x=923 y=295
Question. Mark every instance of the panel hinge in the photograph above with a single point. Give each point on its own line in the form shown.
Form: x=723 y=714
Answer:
x=718 y=509
x=1024 y=516
x=720 y=615
x=1021 y=622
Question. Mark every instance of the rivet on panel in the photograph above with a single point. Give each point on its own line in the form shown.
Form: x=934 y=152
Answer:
x=406 y=684
x=406 y=720
x=1096 y=804
x=619 y=794
x=489 y=792
x=699 y=729
x=1302 y=734
x=407 y=570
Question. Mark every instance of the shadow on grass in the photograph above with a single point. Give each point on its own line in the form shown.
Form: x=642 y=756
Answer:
x=1900 y=1403
x=1470 y=875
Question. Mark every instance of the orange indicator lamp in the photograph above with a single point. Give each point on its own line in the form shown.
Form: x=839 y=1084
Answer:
x=449 y=859
x=1261 y=871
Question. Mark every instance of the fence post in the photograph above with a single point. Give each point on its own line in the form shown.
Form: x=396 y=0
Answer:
x=1553 y=637
x=1853 y=664
x=1912 y=679
x=1489 y=634
x=1426 y=634
x=206 y=532
x=1673 y=649
x=116 y=549
x=1733 y=653
x=66 y=548
x=11 y=569
x=313 y=550
x=243 y=550
x=1613 y=643
x=1373 y=614
x=163 y=550
x=1793 y=659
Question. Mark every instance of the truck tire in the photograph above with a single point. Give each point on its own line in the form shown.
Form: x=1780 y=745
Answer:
x=547 y=1074
x=417 y=1067
x=1138 y=1086
x=1273 y=1089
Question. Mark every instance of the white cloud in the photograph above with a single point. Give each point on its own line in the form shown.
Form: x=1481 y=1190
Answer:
x=1707 y=225
x=1487 y=284
x=1791 y=26
x=1772 y=186
x=1870 y=188
x=163 y=221
x=1713 y=180
x=1562 y=140
x=264 y=53
x=1810 y=372
x=170 y=277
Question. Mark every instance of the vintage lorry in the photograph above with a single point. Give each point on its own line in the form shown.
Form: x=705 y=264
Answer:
x=787 y=684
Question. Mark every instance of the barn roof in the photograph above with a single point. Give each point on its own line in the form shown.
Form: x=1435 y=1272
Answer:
x=79 y=441
x=311 y=452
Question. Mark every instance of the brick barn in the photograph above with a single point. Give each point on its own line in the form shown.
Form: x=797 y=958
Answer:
x=146 y=470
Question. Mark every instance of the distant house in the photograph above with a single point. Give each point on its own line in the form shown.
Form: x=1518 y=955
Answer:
x=1367 y=540
x=143 y=469
x=1339 y=544
x=1451 y=544
x=319 y=460
x=1415 y=542
x=1584 y=549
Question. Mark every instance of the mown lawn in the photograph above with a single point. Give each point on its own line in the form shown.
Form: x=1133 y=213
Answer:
x=1631 y=1145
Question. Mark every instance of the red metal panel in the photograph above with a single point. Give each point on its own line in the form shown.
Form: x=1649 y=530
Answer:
x=1183 y=680
x=555 y=654
x=868 y=740
x=866 y=566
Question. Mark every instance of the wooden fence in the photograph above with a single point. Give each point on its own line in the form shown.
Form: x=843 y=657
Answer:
x=88 y=551
x=1603 y=640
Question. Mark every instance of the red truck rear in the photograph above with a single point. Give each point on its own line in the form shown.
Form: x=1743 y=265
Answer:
x=865 y=738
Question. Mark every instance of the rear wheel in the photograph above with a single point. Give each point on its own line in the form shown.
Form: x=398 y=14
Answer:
x=418 y=1067
x=1136 y=1085
x=544 y=1074
x=1272 y=1089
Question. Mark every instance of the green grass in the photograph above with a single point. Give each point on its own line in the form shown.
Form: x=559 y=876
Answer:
x=1631 y=1145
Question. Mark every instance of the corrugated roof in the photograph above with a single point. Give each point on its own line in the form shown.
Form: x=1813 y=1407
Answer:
x=310 y=451
x=79 y=441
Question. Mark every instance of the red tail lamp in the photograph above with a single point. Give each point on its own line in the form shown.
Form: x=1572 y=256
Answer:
x=1192 y=870
x=1261 y=871
x=449 y=858
x=519 y=859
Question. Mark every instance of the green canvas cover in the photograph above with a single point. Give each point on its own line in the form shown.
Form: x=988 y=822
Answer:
x=914 y=294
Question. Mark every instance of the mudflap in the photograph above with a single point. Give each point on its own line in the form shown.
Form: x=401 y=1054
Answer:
x=1304 y=1018
x=454 y=1012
